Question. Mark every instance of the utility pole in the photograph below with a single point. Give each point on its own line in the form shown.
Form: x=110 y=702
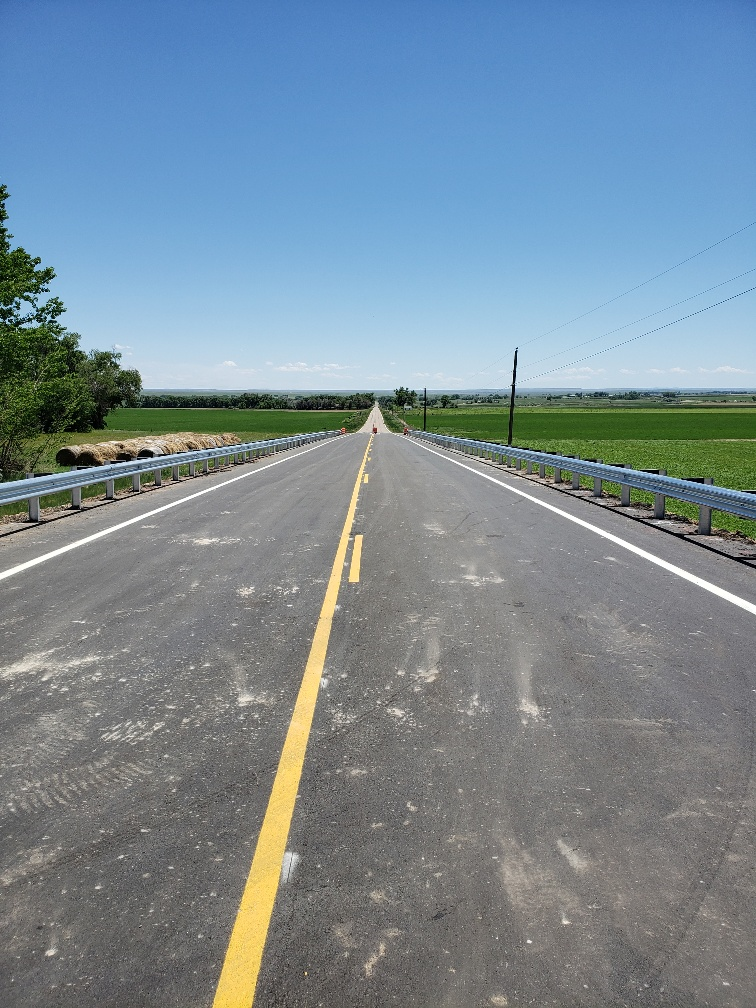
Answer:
x=425 y=407
x=512 y=398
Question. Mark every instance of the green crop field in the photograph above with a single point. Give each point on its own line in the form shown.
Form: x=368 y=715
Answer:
x=599 y=424
x=252 y=425
x=719 y=444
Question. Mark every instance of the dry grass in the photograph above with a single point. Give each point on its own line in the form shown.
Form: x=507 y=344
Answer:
x=151 y=446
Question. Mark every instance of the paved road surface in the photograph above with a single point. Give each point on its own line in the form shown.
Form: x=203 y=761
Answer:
x=375 y=421
x=528 y=779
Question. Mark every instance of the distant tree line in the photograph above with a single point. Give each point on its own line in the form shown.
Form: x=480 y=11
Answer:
x=259 y=400
x=408 y=397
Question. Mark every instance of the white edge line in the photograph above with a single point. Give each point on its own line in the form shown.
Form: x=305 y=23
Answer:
x=148 y=514
x=686 y=575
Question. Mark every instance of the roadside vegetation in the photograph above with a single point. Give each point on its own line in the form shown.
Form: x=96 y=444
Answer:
x=393 y=422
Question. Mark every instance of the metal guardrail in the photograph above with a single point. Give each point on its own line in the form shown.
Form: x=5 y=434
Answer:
x=698 y=490
x=32 y=490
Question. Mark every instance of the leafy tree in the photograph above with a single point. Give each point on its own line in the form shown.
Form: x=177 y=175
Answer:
x=47 y=384
x=404 y=397
x=108 y=386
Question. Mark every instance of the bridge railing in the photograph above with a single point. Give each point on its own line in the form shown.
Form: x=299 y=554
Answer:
x=695 y=490
x=33 y=489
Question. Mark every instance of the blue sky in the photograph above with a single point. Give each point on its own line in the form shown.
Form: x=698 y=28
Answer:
x=358 y=195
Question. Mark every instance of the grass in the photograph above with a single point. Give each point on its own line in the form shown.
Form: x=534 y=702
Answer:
x=592 y=424
x=392 y=421
x=721 y=445
x=250 y=425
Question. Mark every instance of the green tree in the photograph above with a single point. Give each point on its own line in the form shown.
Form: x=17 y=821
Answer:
x=404 y=397
x=47 y=384
x=108 y=386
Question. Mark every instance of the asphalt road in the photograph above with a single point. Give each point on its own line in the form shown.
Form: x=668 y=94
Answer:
x=528 y=778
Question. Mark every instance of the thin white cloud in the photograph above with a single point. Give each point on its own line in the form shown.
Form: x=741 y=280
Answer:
x=438 y=375
x=237 y=369
x=656 y=370
x=122 y=349
x=582 y=372
x=302 y=366
x=380 y=377
x=624 y=370
x=724 y=369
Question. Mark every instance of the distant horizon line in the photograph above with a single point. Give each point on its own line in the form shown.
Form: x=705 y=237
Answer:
x=540 y=390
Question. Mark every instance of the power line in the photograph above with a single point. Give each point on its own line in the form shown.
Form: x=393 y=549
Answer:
x=617 y=297
x=634 y=338
x=643 y=319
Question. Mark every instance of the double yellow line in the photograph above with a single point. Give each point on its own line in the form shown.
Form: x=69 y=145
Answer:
x=241 y=967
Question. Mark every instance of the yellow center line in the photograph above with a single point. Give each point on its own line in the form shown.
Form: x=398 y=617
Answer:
x=238 y=979
x=354 y=570
x=365 y=478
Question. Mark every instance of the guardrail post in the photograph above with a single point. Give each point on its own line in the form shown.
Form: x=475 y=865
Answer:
x=34 y=509
x=205 y=466
x=110 y=489
x=528 y=468
x=175 y=473
x=660 y=501
x=158 y=477
x=704 y=512
x=576 y=478
x=558 y=471
x=192 y=468
x=597 y=481
x=624 y=495
x=136 y=482
x=76 y=497
x=542 y=470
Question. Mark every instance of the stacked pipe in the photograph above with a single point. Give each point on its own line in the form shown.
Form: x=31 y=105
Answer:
x=150 y=446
